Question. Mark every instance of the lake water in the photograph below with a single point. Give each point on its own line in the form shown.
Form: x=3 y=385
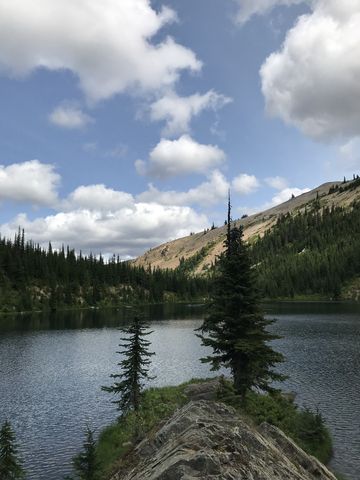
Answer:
x=52 y=368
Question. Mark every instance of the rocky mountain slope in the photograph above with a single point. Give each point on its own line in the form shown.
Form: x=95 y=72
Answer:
x=208 y=244
x=207 y=440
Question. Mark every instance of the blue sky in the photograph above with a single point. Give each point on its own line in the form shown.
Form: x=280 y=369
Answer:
x=124 y=124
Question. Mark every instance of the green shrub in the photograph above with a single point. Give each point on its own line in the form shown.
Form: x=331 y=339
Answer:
x=156 y=405
x=305 y=427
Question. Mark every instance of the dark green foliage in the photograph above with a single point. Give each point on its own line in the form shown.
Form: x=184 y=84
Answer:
x=305 y=427
x=352 y=185
x=85 y=464
x=10 y=467
x=134 y=367
x=32 y=278
x=314 y=252
x=235 y=328
x=188 y=265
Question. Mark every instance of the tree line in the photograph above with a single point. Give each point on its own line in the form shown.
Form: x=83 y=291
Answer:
x=34 y=278
x=316 y=251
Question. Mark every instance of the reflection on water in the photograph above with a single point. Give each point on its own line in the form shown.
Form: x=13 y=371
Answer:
x=52 y=367
x=95 y=318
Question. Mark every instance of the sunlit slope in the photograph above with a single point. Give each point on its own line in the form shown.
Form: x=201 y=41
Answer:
x=207 y=245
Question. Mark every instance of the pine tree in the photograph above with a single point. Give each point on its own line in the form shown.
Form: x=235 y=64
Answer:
x=85 y=463
x=134 y=367
x=10 y=467
x=235 y=328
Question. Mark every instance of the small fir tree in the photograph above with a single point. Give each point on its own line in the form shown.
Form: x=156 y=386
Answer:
x=235 y=328
x=134 y=367
x=85 y=463
x=10 y=466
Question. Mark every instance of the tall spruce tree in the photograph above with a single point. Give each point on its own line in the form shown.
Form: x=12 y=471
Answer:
x=134 y=366
x=235 y=327
x=10 y=467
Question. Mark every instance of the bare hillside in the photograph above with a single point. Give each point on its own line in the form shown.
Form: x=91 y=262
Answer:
x=168 y=255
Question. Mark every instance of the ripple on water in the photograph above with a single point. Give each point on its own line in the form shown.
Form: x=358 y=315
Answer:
x=50 y=380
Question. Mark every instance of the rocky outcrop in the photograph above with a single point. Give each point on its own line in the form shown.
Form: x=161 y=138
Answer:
x=206 y=440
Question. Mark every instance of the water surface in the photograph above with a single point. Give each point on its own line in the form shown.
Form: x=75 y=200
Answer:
x=52 y=368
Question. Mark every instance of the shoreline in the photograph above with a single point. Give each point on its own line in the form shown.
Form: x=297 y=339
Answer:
x=190 y=303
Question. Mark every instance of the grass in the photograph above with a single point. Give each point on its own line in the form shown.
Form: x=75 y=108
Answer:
x=305 y=427
x=115 y=441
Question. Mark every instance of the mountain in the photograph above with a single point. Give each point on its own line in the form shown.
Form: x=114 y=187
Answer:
x=197 y=252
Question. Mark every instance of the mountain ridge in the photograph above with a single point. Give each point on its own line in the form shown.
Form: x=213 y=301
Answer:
x=208 y=244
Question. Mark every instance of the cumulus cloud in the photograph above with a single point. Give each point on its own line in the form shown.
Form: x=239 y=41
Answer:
x=67 y=116
x=179 y=111
x=312 y=82
x=128 y=231
x=107 y=45
x=245 y=184
x=93 y=217
x=248 y=8
x=180 y=157
x=98 y=197
x=30 y=181
x=279 y=183
x=214 y=190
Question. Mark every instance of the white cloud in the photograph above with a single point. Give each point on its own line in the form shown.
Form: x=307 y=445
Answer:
x=128 y=231
x=98 y=197
x=286 y=194
x=207 y=193
x=140 y=167
x=245 y=184
x=279 y=183
x=93 y=217
x=179 y=111
x=313 y=81
x=71 y=117
x=119 y=151
x=106 y=44
x=31 y=181
x=283 y=196
x=180 y=157
x=248 y=8
x=350 y=155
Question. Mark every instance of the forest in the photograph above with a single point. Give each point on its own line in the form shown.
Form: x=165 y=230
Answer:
x=312 y=254
x=34 y=278
x=315 y=252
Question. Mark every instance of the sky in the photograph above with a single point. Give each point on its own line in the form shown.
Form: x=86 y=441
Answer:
x=124 y=123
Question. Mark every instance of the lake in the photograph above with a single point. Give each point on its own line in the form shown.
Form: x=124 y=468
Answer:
x=52 y=368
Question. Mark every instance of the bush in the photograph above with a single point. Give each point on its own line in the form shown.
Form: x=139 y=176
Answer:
x=305 y=427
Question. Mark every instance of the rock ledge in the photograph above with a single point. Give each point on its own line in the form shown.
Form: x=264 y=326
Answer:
x=205 y=440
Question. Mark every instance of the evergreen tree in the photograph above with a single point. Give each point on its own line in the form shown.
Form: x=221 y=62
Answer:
x=235 y=328
x=134 y=366
x=10 y=467
x=85 y=463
